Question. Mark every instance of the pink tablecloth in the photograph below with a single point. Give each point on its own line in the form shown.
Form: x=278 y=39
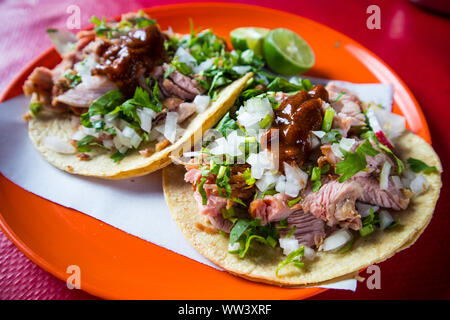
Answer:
x=412 y=41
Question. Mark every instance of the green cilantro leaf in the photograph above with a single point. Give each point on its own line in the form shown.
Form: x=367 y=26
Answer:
x=417 y=165
x=291 y=258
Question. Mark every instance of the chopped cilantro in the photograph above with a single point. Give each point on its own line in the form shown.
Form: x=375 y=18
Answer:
x=291 y=258
x=355 y=162
x=328 y=119
x=292 y=202
x=339 y=96
x=35 y=108
x=83 y=144
x=247 y=175
x=202 y=191
x=226 y=125
x=417 y=165
x=118 y=156
x=75 y=79
x=281 y=84
x=291 y=232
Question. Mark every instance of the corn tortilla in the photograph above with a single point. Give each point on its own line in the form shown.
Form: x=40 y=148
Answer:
x=134 y=164
x=261 y=261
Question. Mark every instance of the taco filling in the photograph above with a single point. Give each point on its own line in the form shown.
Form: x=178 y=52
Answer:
x=310 y=170
x=127 y=85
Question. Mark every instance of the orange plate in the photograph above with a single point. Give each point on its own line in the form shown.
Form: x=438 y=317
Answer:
x=120 y=266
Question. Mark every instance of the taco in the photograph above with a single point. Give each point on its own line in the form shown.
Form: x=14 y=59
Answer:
x=126 y=95
x=305 y=187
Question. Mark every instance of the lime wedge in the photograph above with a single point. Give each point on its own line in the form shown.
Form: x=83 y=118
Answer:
x=287 y=53
x=248 y=38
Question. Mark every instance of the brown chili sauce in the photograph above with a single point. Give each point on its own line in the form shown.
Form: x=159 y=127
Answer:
x=125 y=59
x=293 y=122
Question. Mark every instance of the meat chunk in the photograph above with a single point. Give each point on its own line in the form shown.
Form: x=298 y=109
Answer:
x=329 y=155
x=392 y=198
x=220 y=223
x=176 y=84
x=172 y=103
x=271 y=208
x=183 y=81
x=374 y=164
x=193 y=176
x=40 y=81
x=185 y=110
x=334 y=203
x=86 y=92
x=347 y=107
x=309 y=230
x=214 y=204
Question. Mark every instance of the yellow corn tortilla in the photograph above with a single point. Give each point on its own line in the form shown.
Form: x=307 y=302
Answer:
x=261 y=261
x=134 y=164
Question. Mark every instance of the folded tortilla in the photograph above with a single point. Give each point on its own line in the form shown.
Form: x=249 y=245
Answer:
x=261 y=261
x=134 y=164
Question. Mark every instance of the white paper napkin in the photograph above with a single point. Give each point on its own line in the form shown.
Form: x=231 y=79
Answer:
x=136 y=206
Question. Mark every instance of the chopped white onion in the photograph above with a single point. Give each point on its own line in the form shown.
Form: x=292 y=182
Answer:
x=202 y=102
x=77 y=136
x=185 y=57
x=229 y=145
x=95 y=117
x=128 y=132
x=335 y=147
x=58 y=145
x=260 y=162
x=336 y=240
x=289 y=245
x=122 y=124
x=84 y=68
x=170 y=126
x=241 y=69
x=192 y=154
x=146 y=118
x=108 y=143
x=130 y=138
x=319 y=134
x=391 y=124
x=419 y=184
x=296 y=179
x=121 y=142
x=384 y=176
x=109 y=118
x=346 y=144
x=281 y=184
x=255 y=110
x=373 y=120
x=364 y=208
x=385 y=219
x=267 y=180
x=397 y=182
x=407 y=177
x=90 y=131
x=234 y=247
x=315 y=142
x=205 y=65
x=309 y=253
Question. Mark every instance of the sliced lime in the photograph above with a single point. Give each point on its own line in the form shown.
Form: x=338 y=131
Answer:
x=287 y=53
x=248 y=38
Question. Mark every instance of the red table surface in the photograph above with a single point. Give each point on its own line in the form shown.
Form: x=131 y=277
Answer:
x=414 y=42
